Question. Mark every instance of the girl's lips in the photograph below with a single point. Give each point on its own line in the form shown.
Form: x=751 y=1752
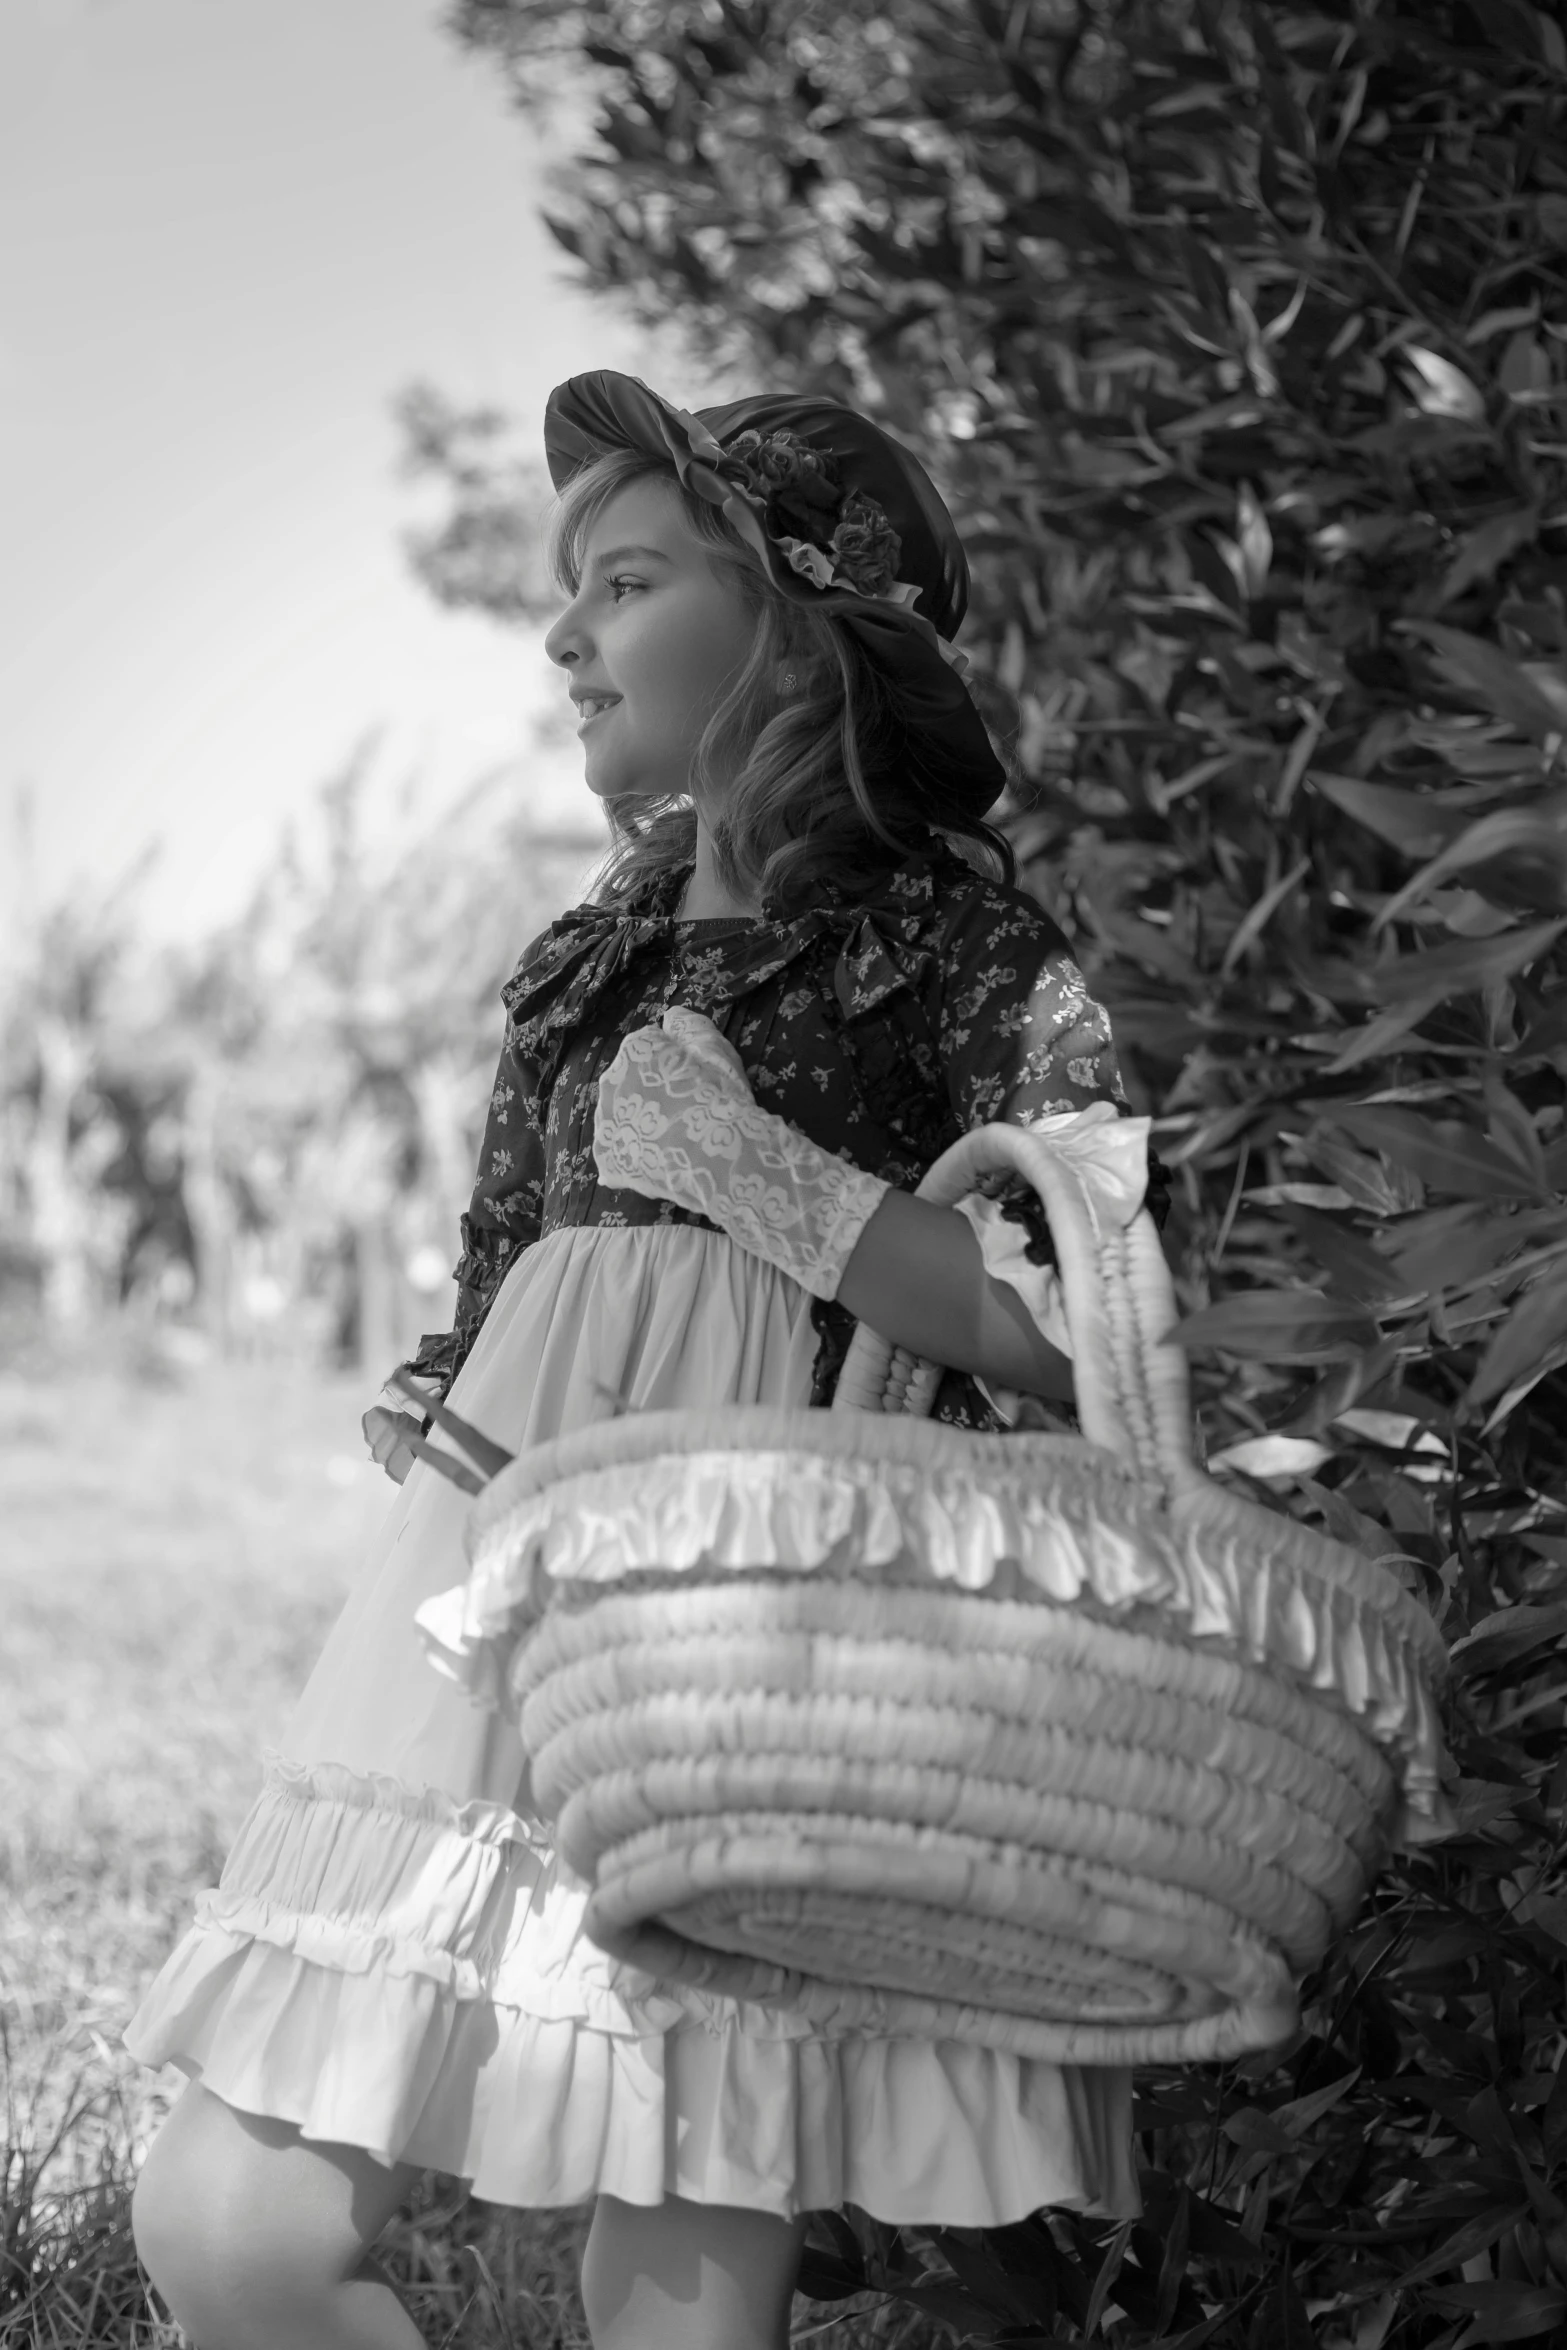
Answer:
x=603 y=710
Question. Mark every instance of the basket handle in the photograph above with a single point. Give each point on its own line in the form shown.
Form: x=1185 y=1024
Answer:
x=1133 y=1395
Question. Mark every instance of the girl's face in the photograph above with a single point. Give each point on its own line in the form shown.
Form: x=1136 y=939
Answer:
x=650 y=641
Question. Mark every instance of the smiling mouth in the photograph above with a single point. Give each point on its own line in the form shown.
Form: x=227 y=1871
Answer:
x=594 y=706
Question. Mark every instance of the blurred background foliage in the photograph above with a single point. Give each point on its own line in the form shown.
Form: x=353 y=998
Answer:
x=1236 y=334
x=258 y=1141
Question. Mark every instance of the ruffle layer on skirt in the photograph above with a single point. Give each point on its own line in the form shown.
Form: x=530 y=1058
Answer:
x=390 y=1970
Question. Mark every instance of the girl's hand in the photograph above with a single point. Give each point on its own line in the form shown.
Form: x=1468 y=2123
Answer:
x=387 y=1433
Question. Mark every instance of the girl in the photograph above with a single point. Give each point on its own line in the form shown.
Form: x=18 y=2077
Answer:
x=391 y=1975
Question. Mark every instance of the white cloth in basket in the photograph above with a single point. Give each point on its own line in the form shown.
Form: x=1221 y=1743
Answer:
x=394 y=1961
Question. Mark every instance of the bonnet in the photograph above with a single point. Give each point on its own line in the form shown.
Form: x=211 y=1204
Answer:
x=847 y=521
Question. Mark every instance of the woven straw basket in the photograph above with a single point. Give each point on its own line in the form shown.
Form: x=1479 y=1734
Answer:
x=1038 y=1741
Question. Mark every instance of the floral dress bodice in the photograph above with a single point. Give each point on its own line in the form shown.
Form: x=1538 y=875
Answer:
x=883 y=1028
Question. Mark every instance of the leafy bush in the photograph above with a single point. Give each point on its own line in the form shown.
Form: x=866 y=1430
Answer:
x=1236 y=332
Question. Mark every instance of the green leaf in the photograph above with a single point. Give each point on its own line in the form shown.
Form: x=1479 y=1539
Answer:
x=1414 y=985
x=1479 y=1802
x=1547 y=1032
x=826 y=2278
x=1366 y=1181
x=1348 y=1525
x=1505 y=1637
x=1416 y=822
x=1504 y=2312
x=1271 y=1456
x=1256 y=2132
x=1446 y=1155
x=1104 y=2282
x=1533 y=1330
x=1482 y=552
x=1441 y=389
x=1256 y=920
x=1377 y=1038
x=1302 y=1325
x=1548 y=1911
x=1477 y=2235
x=1397 y=1431
x=1526 y=849
x=1197 y=2336
x=1460 y=968
x=1450 y=1246
x=1488 y=676
x=1172 y=2265
x=1213 y=2232
x=1300 y=2114
x=950 y=2305
x=983 y=2275
x=1289 y=2326
x=1356 y=1270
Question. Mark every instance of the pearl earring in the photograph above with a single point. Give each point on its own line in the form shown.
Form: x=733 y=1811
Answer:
x=787 y=682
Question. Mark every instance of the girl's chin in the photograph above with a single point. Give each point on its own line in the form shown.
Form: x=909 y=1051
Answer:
x=604 y=784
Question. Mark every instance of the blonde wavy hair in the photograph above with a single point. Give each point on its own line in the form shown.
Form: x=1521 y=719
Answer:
x=830 y=786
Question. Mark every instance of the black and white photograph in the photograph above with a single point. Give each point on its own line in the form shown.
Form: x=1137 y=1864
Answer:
x=783 y=1174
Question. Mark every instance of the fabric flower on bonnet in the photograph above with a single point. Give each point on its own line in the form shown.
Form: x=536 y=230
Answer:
x=865 y=547
x=830 y=539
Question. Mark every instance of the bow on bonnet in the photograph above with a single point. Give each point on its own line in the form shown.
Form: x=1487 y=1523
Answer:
x=847 y=521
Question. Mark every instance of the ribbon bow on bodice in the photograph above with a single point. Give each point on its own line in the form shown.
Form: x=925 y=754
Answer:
x=591 y=949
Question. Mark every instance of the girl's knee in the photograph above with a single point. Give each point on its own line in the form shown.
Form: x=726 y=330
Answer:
x=680 y=2275
x=175 y=2228
x=204 y=2258
x=244 y=2228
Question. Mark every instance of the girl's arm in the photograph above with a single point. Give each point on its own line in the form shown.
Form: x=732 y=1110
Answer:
x=917 y=1276
x=1020 y=1038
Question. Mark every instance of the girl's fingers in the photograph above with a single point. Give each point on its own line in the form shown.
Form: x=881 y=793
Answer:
x=386 y=1433
x=487 y=1455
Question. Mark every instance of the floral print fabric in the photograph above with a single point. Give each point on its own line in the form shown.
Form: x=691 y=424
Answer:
x=883 y=1028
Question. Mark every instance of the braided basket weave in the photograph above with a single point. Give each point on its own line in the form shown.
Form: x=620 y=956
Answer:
x=1038 y=1741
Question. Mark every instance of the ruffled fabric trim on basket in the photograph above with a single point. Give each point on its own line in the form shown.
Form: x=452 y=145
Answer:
x=439 y=2006
x=1225 y=1570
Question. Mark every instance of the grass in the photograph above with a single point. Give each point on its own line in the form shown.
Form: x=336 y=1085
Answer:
x=175 y=1537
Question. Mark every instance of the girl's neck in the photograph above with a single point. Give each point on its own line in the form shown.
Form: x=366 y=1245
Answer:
x=708 y=895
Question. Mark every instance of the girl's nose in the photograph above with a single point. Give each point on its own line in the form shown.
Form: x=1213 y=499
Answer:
x=565 y=642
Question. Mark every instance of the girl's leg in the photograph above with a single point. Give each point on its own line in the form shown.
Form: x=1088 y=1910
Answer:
x=678 y=2275
x=259 y=2240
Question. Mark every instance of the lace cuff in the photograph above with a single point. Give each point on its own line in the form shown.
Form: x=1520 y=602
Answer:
x=676 y=1122
x=810 y=1222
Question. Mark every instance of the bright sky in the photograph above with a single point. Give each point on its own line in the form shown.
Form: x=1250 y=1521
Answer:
x=228 y=234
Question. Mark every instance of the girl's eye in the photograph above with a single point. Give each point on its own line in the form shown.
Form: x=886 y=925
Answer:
x=619 y=583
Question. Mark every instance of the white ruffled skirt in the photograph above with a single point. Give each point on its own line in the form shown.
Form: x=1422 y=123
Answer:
x=394 y=1959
